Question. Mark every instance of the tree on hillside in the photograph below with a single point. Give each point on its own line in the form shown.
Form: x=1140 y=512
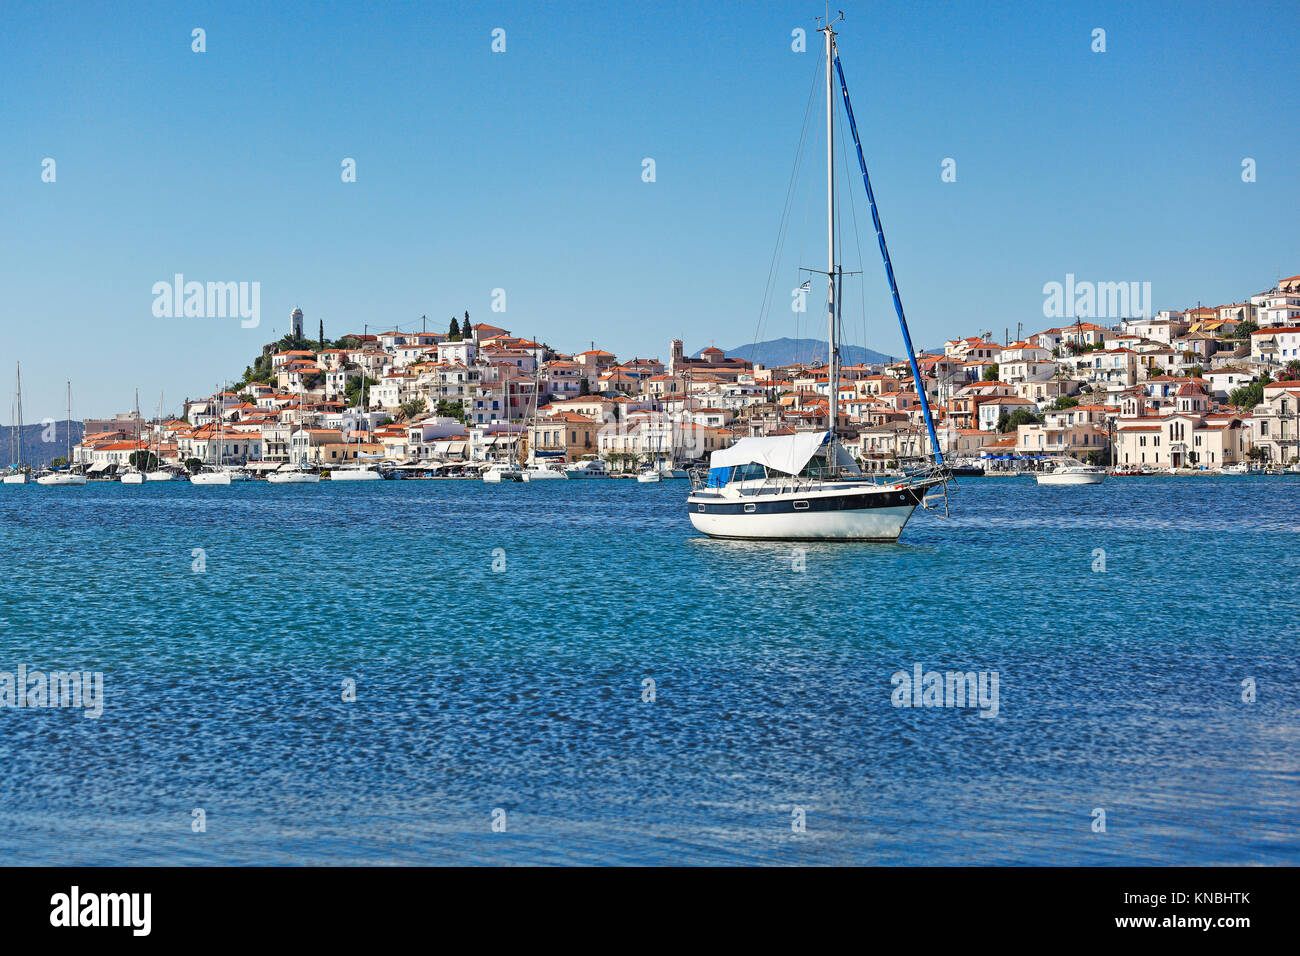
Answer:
x=322 y=335
x=453 y=331
x=1248 y=396
x=991 y=373
x=1293 y=369
x=451 y=409
x=409 y=410
x=1021 y=416
x=1244 y=330
x=352 y=390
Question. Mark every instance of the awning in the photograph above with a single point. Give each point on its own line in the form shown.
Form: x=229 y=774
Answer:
x=446 y=448
x=99 y=466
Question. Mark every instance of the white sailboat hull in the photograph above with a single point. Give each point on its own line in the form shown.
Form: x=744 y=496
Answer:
x=61 y=480
x=18 y=479
x=834 y=513
x=159 y=476
x=878 y=524
x=648 y=479
x=292 y=478
x=355 y=474
x=542 y=474
x=210 y=478
x=132 y=478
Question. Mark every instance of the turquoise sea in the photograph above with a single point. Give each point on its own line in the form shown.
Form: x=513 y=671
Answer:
x=514 y=694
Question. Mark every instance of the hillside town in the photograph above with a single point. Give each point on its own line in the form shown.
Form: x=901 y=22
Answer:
x=1204 y=388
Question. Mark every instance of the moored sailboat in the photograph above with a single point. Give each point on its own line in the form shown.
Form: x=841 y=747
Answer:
x=16 y=474
x=66 y=476
x=134 y=475
x=807 y=486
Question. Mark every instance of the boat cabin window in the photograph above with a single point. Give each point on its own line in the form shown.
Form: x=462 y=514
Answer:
x=816 y=467
x=750 y=472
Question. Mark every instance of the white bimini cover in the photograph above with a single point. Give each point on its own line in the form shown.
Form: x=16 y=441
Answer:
x=784 y=453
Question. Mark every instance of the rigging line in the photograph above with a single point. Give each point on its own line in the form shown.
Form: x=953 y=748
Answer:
x=889 y=269
x=803 y=241
x=816 y=87
x=769 y=285
x=857 y=239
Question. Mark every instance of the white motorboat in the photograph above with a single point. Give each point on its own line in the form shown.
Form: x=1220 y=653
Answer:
x=649 y=477
x=806 y=486
x=503 y=471
x=587 y=467
x=1240 y=468
x=1071 y=471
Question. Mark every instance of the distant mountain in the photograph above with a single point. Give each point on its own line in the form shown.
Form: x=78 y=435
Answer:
x=813 y=351
x=36 y=451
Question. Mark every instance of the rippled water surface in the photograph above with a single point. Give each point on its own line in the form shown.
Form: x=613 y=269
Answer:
x=521 y=690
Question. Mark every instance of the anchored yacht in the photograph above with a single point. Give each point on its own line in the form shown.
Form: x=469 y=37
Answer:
x=806 y=486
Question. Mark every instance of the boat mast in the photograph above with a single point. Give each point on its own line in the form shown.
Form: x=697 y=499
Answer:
x=69 y=458
x=831 y=303
x=19 y=379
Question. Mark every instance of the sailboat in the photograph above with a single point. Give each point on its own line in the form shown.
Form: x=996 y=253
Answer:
x=64 y=477
x=16 y=476
x=807 y=486
x=295 y=473
x=653 y=473
x=134 y=475
x=357 y=471
x=214 y=475
x=539 y=470
x=159 y=473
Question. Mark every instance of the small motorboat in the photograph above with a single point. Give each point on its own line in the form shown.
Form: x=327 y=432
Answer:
x=588 y=467
x=503 y=471
x=1071 y=471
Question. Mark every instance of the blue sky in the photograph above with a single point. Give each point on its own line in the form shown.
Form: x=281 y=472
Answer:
x=522 y=170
